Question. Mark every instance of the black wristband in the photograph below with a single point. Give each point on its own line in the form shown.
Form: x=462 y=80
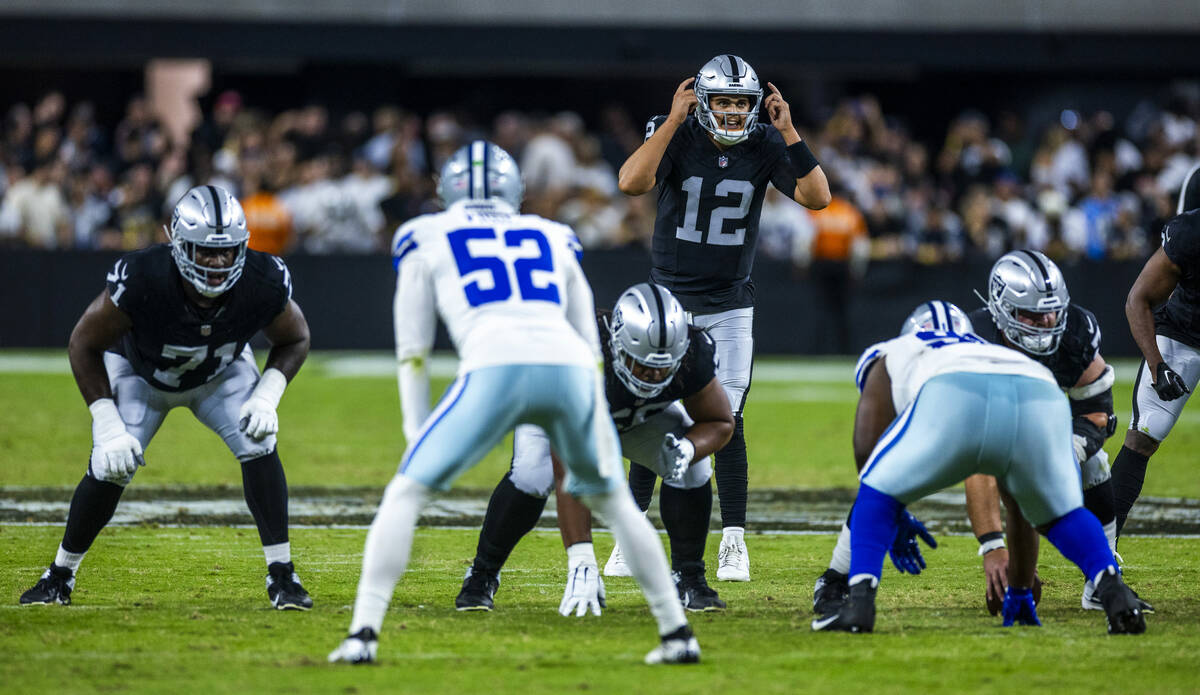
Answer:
x=802 y=158
x=990 y=537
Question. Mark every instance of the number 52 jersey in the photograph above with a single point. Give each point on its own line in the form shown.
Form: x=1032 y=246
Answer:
x=508 y=287
x=915 y=358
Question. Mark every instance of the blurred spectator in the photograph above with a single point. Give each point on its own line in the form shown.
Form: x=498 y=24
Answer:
x=548 y=163
x=35 y=209
x=840 y=251
x=267 y=218
x=93 y=204
x=1089 y=225
x=785 y=229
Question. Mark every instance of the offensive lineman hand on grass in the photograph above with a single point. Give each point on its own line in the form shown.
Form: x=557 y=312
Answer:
x=584 y=591
x=1018 y=608
x=995 y=572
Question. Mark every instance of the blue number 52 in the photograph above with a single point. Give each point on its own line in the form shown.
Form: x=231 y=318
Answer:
x=501 y=288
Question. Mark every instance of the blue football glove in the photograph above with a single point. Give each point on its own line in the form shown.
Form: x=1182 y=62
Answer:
x=905 y=553
x=1018 y=608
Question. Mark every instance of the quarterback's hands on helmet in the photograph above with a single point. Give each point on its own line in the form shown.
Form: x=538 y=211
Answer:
x=1168 y=384
x=116 y=454
x=584 y=591
x=1019 y=608
x=683 y=102
x=778 y=110
x=257 y=416
x=905 y=552
x=675 y=456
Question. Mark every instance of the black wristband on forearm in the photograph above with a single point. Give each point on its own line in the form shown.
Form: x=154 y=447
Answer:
x=802 y=158
x=990 y=537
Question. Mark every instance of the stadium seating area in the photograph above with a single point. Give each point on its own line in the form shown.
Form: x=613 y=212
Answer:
x=1085 y=186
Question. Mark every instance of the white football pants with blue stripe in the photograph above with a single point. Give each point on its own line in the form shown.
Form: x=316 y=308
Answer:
x=478 y=409
x=1015 y=428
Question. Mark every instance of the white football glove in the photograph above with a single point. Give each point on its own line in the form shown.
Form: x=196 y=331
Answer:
x=116 y=454
x=675 y=456
x=257 y=417
x=1080 y=444
x=585 y=587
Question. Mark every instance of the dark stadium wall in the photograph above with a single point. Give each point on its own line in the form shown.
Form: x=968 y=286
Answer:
x=348 y=299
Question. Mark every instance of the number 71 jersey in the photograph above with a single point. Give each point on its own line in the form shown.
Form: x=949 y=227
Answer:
x=507 y=286
x=709 y=204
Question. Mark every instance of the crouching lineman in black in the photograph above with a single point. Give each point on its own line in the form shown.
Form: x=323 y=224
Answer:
x=712 y=171
x=171 y=329
x=671 y=413
x=1163 y=309
x=1029 y=309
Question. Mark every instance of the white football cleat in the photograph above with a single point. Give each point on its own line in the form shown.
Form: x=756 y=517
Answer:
x=679 y=647
x=359 y=648
x=616 y=567
x=733 y=562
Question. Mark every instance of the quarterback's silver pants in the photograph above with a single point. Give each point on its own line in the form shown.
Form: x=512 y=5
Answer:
x=733 y=332
x=216 y=404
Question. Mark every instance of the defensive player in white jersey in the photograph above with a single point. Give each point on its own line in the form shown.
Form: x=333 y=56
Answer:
x=520 y=312
x=969 y=407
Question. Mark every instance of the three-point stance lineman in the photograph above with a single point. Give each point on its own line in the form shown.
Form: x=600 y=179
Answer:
x=1163 y=309
x=520 y=312
x=171 y=330
x=712 y=170
x=671 y=413
x=968 y=407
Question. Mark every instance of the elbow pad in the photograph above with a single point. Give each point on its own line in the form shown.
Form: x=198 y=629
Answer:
x=1095 y=397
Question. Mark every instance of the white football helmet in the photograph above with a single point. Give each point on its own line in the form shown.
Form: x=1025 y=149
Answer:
x=726 y=74
x=208 y=217
x=1029 y=282
x=648 y=328
x=481 y=170
x=937 y=316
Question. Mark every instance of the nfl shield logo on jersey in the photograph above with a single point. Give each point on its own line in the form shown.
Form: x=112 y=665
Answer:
x=723 y=161
x=206 y=330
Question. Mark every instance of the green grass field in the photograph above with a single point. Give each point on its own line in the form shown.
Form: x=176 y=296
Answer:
x=184 y=609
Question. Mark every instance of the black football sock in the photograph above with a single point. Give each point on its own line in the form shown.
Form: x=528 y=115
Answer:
x=685 y=514
x=511 y=514
x=731 y=478
x=1128 y=474
x=1099 y=500
x=92 y=507
x=641 y=484
x=265 y=488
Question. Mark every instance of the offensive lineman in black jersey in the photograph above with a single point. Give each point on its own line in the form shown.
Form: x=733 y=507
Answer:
x=671 y=413
x=1163 y=308
x=171 y=329
x=712 y=170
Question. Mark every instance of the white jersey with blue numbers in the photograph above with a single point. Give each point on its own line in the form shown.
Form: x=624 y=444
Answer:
x=915 y=358
x=507 y=286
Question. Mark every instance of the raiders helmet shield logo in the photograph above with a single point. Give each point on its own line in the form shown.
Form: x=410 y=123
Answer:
x=723 y=161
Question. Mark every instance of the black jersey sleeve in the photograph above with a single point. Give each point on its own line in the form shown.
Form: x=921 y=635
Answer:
x=129 y=286
x=699 y=363
x=1181 y=242
x=272 y=284
x=665 y=165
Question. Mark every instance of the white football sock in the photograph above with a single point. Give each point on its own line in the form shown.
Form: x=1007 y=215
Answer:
x=644 y=554
x=69 y=560
x=864 y=577
x=840 y=562
x=733 y=532
x=1110 y=532
x=385 y=557
x=279 y=552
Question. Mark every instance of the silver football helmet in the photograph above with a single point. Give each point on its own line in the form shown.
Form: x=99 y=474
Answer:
x=1189 y=192
x=649 y=329
x=726 y=74
x=1026 y=284
x=479 y=171
x=208 y=217
x=937 y=315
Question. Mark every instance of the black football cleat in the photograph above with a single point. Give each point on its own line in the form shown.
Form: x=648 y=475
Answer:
x=284 y=589
x=478 y=589
x=55 y=586
x=857 y=614
x=830 y=592
x=1121 y=606
x=694 y=592
x=679 y=647
x=359 y=648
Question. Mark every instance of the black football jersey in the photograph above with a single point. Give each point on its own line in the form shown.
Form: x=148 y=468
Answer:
x=697 y=369
x=1076 y=351
x=709 y=202
x=174 y=344
x=1179 y=318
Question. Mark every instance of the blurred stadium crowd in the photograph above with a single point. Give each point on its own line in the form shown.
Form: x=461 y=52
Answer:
x=1085 y=186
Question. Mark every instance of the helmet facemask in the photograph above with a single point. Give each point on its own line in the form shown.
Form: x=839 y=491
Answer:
x=648 y=331
x=732 y=76
x=187 y=259
x=208 y=219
